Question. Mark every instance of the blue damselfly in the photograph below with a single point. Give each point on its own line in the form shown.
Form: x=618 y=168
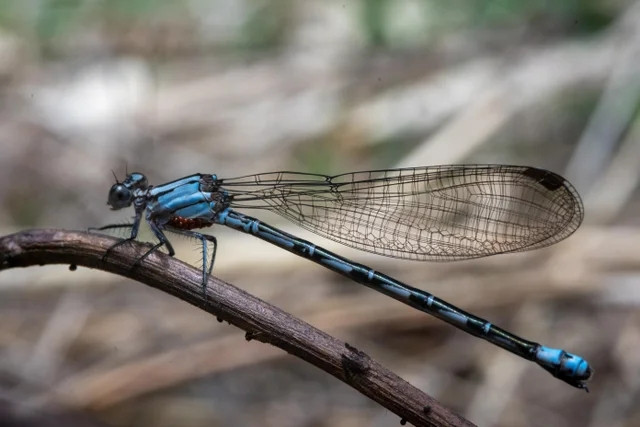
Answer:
x=436 y=213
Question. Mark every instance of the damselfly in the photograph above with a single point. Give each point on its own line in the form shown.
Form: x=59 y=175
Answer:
x=437 y=213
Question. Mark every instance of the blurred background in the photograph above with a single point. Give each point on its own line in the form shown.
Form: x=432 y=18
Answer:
x=173 y=87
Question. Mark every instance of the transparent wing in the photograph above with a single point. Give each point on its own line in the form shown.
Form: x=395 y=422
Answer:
x=428 y=213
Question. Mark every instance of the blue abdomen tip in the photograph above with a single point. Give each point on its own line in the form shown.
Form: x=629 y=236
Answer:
x=566 y=366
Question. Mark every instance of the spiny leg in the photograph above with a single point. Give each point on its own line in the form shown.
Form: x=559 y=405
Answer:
x=163 y=241
x=135 y=226
x=111 y=226
x=119 y=243
x=203 y=239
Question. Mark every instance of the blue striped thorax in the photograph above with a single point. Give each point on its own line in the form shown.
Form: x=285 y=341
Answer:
x=186 y=203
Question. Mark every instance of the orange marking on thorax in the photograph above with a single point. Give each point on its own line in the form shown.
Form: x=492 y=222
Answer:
x=188 y=223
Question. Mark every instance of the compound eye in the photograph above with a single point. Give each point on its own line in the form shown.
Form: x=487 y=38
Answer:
x=119 y=197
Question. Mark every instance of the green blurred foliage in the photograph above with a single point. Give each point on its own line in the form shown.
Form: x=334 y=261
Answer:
x=431 y=18
x=265 y=26
x=384 y=22
x=578 y=16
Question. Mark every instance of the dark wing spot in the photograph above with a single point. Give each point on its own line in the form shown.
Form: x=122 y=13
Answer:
x=551 y=181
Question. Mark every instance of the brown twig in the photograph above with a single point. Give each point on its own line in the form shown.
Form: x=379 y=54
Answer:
x=261 y=321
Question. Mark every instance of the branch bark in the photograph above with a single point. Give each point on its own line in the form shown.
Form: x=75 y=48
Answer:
x=261 y=321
